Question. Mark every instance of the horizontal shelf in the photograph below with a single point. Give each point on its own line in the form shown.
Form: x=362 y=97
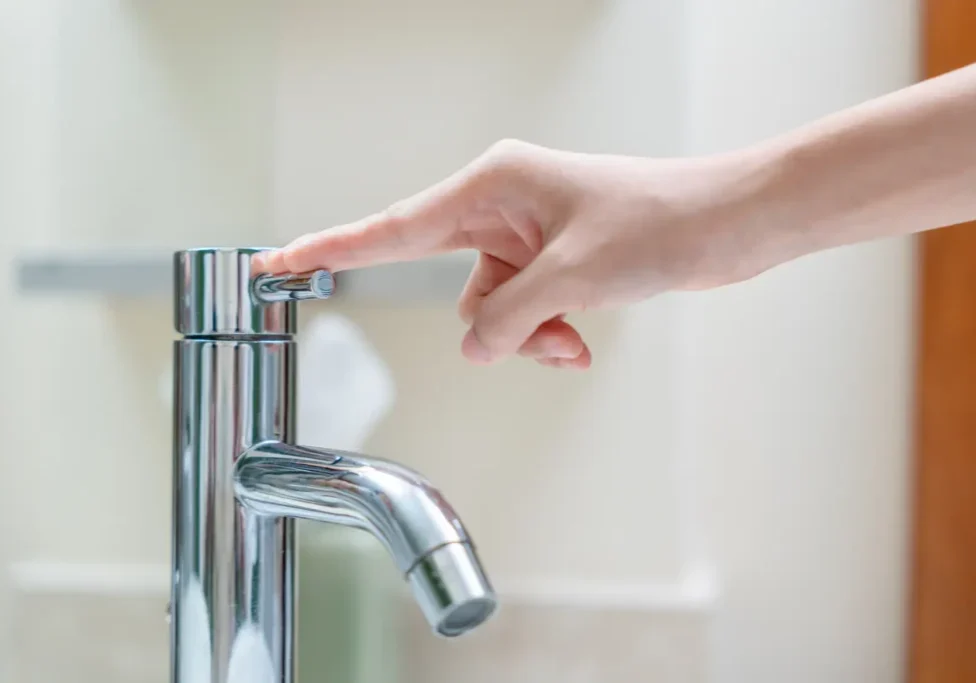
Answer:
x=150 y=275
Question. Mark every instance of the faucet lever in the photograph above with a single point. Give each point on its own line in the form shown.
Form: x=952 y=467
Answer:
x=240 y=482
x=270 y=288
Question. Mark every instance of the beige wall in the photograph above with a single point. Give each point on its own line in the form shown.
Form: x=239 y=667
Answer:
x=800 y=381
x=375 y=101
x=755 y=435
x=124 y=141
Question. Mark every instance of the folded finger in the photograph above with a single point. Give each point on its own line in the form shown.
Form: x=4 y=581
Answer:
x=553 y=339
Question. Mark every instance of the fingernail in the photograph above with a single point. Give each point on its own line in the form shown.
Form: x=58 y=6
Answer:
x=474 y=350
x=561 y=351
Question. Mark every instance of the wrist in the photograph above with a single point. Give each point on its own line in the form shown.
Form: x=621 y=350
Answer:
x=757 y=207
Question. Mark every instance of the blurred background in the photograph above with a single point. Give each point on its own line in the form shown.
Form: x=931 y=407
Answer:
x=722 y=499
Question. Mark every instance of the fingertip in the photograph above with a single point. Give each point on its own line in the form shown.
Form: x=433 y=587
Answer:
x=581 y=362
x=266 y=262
x=474 y=350
x=553 y=339
x=302 y=254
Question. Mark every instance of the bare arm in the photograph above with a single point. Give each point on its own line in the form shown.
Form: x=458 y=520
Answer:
x=560 y=232
x=896 y=165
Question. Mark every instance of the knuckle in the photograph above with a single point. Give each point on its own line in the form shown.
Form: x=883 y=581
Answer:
x=508 y=147
x=508 y=155
x=467 y=308
x=292 y=255
x=395 y=214
x=487 y=333
x=488 y=320
x=567 y=280
x=395 y=218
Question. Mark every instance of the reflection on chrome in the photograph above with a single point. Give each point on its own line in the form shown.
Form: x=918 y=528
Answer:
x=240 y=482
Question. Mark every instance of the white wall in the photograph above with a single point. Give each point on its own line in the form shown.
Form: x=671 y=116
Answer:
x=758 y=432
x=799 y=383
x=784 y=402
x=122 y=138
x=786 y=399
x=562 y=477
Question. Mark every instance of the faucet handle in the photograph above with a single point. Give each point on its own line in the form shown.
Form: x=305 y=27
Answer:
x=270 y=289
x=217 y=294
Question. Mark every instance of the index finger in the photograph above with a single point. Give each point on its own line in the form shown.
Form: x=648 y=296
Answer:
x=414 y=228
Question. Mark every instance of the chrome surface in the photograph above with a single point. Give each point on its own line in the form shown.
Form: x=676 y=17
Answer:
x=270 y=289
x=394 y=503
x=233 y=573
x=424 y=535
x=239 y=483
x=452 y=590
x=214 y=297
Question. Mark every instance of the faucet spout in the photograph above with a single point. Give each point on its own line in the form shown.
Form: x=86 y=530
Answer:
x=398 y=506
x=239 y=484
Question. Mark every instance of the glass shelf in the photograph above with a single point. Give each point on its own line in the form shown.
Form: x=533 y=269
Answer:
x=149 y=275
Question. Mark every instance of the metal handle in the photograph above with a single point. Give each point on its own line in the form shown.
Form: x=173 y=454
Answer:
x=218 y=294
x=270 y=289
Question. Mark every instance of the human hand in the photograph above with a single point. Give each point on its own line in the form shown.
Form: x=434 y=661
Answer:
x=558 y=233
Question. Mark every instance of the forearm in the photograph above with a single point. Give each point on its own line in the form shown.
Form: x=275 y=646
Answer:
x=896 y=165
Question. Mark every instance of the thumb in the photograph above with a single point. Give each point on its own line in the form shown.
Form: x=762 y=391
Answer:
x=508 y=316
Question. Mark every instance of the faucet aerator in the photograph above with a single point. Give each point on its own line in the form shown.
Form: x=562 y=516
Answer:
x=452 y=590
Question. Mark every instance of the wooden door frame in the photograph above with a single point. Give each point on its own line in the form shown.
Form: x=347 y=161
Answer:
x=942 y=633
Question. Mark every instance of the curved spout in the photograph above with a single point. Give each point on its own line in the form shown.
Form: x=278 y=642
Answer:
x=397 y=505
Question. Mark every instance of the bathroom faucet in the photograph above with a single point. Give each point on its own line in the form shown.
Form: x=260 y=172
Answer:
x=240 y=482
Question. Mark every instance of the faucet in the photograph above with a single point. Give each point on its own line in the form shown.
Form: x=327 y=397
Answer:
x=240 y=482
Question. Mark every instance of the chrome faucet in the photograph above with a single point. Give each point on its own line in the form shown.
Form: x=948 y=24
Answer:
x=240 y=482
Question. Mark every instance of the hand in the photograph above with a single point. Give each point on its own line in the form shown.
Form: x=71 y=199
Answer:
x=557 y=233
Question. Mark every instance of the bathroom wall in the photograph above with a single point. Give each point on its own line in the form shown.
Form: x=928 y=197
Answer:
x=124 y=124
x=799 y=383
x=783 y=404
x=722 y=498
x=375 y=101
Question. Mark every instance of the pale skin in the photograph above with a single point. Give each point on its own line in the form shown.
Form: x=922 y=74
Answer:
x=559 y=232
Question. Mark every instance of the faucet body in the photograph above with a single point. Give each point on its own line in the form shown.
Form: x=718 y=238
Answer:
x=240 y=482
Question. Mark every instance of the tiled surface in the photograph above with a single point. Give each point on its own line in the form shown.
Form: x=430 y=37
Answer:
x=123 y=639
x=89 y=639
